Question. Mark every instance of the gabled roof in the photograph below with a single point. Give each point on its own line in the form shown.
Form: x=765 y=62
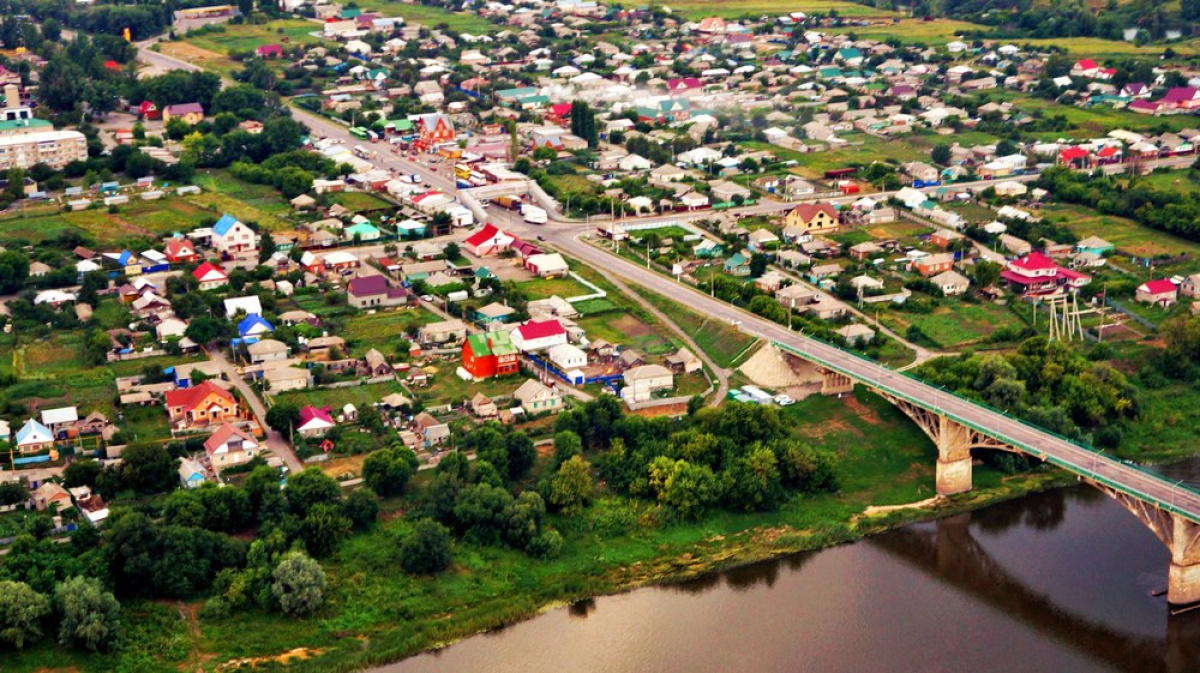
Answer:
x=251 y=321
x=209 y=272
x=807 y=211
x=316 y=417
x=33 y=433
x=1159 y=286
x=224 y=224
x=223 y=434
x=1034 y=261
x=540 y=329
x=188 y=398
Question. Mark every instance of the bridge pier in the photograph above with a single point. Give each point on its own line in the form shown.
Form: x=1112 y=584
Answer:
x=834 y=383
x=1183 y=578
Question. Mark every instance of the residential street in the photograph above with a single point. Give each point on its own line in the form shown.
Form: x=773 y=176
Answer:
x=275 y=441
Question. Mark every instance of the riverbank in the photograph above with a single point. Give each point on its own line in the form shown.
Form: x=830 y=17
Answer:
x=676 y=564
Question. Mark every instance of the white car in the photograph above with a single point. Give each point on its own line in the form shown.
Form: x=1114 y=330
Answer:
x=784 y=400
x=427 y=298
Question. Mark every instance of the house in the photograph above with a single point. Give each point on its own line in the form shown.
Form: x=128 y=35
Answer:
x=434 y=431
x=490 y=354
x=738 y=265
x=813 y=218
x=856 y=334
x=1016 y=246
x=254 y=325
x=201 y=405
x=33 y=437
x=547 y=265
x=642 y=382
x=51 y=497
x=89 y=504
x=441 y=333
x=231 y=236
x=61 y=421
x=1036 y=274
x=762 y=239
x=376 y=292
x=1161 y=292
x=1094 y=245
x=931 y=265
x=951 y=283
x=537 y=335
x=795 y=296
x=567 y=357
x=210 y=276
x=684 y=361
x=181 y=251
x=267 y=350
x=279 y=379
x=534 y=397
x=269 y=51
x=483 y=406
x=494 y=313
x=188 y=113
x=230 y=445
x=191 y=472
x=315 y=421
x=488 y=241
x=1191 y=286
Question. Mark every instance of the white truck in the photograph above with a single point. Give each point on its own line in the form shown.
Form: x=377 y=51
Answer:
x=533 y=214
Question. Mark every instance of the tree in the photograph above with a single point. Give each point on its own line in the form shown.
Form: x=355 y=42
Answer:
x=298 y=585
x=324 y=529
x=686 y=488
x=361 y=507
x=567 y=445
x=521 y=454
x=205 y=329
x=283 y=417
x=91 y=616
x=758 y=264
x=14 y=271
x=147 y=468
x=451 y=251
x=545 y=153
x=427 y=549
x=21 y=612
x=387 y=472
x=941 y=154
x=82 y=472
x=572 y=486
x=311 y=488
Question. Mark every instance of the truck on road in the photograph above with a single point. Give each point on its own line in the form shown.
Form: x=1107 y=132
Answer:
x=509 y=202
x=533 y=214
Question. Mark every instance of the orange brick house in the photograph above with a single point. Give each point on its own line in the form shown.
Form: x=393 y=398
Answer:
x=201 y=405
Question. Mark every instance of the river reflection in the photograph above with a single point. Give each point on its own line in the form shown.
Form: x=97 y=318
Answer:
x=1057 y=582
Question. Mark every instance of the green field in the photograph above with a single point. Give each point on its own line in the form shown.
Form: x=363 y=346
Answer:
x=955 y=323
x=565 y=287
x=383 y=330
x=360 y=396
x=361 y=201
x=698 y=9
x=1126 y=235
x=1181 y=182
x=247 y=37
x=431 y=17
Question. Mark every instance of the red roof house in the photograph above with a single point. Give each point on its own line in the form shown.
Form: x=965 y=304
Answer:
x=148 y=110
x=539 y=335
x=200 y=405
x=1074 y=155
x=210 y=276
x=1161 y=292
x=181 y=251
x=1036 y=273
x=269 y=51
x=488 y=241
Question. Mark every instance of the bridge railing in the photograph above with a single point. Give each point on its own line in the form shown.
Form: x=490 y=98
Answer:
x=1082 y=470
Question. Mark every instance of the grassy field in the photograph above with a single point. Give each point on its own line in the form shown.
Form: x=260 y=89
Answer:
x=698 y=9
x=361 y=201
x=359 y=396
x=1126 y=235
x=954 y=324
x=565 y=287
x=383 y=330
x=246 y=37
x=247 y=202
x=719 y=341
x=1181 y=182
x=932 y=33
x=431 y=17
x=863 y=150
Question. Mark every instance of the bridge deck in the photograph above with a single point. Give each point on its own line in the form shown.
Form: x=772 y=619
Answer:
x=1129 y=479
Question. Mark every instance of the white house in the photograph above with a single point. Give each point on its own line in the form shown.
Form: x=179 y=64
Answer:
x=567 y=357
x=537 y=335
x=249 y=305
x=230 y=236
x=643 y=381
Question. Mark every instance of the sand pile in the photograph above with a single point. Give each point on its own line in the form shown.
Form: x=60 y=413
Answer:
x=769 y=367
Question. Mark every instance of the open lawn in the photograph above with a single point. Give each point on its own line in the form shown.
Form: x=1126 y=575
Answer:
x=137 y=219
x=446 y=387
x=954 y=324
x=1181 y=182
x=1126 y=235
x=1092 y=122
x=431 y=17
x=383 y=330
x=862 y=150
x=931 y=33
x=565 y=287
x=359 y=202
x=246 y=37
x=360 y=396
x=698 y=9
x=719 y=341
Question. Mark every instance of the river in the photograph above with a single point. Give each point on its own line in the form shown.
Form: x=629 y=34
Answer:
x=1057 y=582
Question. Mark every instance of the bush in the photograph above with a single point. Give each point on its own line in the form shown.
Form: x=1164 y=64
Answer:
x=427 y=549
x=299 y=585
x=546 y=545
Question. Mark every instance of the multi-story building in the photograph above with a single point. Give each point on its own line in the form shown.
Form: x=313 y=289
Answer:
x=53 y=148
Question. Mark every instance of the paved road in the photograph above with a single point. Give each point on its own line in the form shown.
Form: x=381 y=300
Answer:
x=275 y=441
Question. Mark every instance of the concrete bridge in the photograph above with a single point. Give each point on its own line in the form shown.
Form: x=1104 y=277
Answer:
x=957 y=425
x=951 y=554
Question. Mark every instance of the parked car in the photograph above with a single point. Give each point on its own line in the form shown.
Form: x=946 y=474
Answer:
x=784 y=400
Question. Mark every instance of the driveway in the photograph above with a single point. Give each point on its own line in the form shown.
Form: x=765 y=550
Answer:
x=275 y=441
